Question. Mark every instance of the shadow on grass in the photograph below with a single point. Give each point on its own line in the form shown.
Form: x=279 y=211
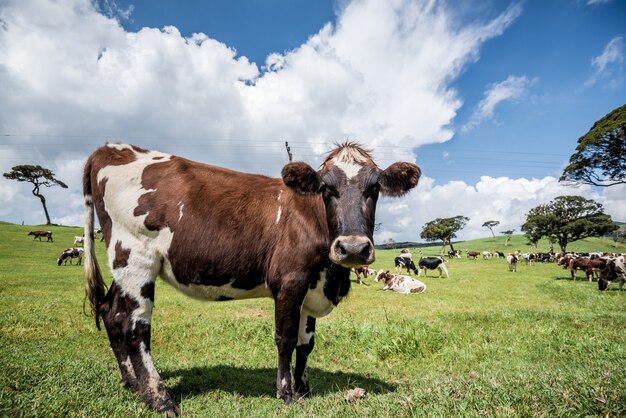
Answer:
x=262 y=382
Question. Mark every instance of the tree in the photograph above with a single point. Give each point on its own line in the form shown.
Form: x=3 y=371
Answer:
x=443 y=229
x=567 y=219
x=508 y=234
x=390 y=244
x=600 y=157
x=491 y=225
x=38 y=176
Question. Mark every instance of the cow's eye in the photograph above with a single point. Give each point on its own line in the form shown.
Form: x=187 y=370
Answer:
x=330 y=191
x=372 y=191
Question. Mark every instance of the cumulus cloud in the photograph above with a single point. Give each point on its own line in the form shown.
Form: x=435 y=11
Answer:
x=610 y=63
x=511 y=88
x=73 y=78
x=503 y=199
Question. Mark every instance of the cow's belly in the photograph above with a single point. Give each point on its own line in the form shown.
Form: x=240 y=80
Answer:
x=214 y=293
x=316 y=304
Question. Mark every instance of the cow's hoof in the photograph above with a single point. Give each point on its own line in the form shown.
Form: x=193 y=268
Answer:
x=170 y=408
x=302 y=391
x=286 y=397
x=133 y=386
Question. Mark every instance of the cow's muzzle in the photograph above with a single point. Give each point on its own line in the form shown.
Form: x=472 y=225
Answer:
x=352 y=251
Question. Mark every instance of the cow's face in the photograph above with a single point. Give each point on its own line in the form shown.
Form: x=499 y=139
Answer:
x=350 y=184
x=607 y=275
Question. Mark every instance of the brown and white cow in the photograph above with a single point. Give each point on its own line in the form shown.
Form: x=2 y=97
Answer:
x=69 y=254
x=400 y=283
x=511 y=260
x=586 y=264
x=192 y=224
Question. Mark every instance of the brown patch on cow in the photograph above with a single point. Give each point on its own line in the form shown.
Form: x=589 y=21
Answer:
x=216 y=219
x=121 y=256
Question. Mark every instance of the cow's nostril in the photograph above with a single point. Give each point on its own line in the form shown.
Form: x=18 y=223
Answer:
x=342 y=249
x=365 y=251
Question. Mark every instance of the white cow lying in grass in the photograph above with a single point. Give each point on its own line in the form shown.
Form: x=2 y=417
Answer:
x=400 y=283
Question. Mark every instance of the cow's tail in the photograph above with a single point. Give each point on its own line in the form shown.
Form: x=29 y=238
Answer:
x=95 y=289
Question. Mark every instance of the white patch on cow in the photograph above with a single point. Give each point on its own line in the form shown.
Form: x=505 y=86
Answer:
x=204 y=292
x=154 y=378
x=147 y=248
x=120 y=147
x=304 y=338
x=280 y=209
x=350 y=161
x=181 y=205
x=350 y=169
x=316 y=304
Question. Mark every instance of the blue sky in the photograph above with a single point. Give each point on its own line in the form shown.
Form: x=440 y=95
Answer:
x=489 y=97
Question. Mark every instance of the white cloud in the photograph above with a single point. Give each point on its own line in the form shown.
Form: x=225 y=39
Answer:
x=502 y=199
x=594 y=2
x=73 y=78
x=511 y=88
x=610 y=64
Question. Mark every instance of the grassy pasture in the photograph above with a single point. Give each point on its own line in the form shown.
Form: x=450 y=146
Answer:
x=485 y=342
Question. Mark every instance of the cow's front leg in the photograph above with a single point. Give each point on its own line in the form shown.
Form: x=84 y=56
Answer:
x=288 y=303
x=306 y=340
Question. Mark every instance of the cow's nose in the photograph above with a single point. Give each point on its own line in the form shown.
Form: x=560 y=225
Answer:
x=352 y=251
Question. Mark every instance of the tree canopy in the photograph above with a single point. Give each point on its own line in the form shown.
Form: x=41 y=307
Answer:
x=508 y=234
x=38 y=176
x=443 y=229
x=567 y=219
x=600 y=157
x=491 y=225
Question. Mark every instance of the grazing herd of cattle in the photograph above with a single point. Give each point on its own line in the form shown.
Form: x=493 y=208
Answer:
x=68 y=254
x=605 y=267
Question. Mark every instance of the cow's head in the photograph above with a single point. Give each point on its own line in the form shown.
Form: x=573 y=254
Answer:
x=350 y=183
x=607 y=275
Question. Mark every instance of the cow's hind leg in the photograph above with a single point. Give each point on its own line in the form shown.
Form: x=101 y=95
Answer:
x=115 y=313
x=306 y=341
x=127 y=313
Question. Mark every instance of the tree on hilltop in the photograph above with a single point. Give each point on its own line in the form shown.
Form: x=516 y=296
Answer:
x=508 y=234
x=567 y=219
x=443 y=229
x=491 y=225
x=38 y=176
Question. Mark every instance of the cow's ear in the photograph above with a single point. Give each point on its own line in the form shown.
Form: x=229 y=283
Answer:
x=301 y=178
x=399 y=178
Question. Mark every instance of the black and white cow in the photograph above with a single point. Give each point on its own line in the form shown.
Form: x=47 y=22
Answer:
x=405 y=263
x=432 y=263
x=192 y=224
x=614 y=271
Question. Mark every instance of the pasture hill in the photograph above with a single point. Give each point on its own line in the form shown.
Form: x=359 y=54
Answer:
x=485 y=342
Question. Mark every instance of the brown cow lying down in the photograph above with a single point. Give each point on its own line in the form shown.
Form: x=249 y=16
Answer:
x=400 y=283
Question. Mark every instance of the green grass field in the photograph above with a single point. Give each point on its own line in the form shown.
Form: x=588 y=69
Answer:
x=485 y=342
